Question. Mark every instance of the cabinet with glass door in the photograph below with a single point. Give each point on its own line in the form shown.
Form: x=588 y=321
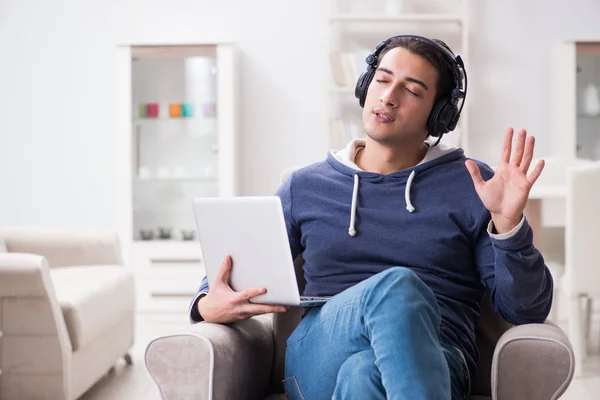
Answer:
x=575 y=100
x=182 y=144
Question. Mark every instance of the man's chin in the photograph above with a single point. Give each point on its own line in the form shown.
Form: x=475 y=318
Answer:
x=384 y=136
x=393 y=139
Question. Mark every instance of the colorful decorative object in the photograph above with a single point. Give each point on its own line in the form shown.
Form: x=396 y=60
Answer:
x=186 y=110
x=210 y=110
x=152 y=110
x=142 y=110
x=175 y=110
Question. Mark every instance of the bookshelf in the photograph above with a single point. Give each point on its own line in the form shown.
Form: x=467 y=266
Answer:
x=378 y=17
x=357 y=27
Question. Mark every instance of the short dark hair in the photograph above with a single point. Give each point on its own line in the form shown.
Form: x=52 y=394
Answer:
x=431 y=53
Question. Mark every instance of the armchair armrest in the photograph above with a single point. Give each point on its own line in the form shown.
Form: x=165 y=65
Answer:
x=213 y=361
x=532 y=361
x=36 y=351
x=24 y=275
x=65 y=247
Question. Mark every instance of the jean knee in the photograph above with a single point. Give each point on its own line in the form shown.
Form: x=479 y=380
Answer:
x=400 y=273
x=404 y=288
x=401 y=276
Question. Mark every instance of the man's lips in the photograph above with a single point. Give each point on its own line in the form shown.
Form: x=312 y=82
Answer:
x=382 y=115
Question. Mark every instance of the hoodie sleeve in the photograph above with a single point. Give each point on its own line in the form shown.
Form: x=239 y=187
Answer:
x=193 y=311
x=519 y=282
x=285 y=193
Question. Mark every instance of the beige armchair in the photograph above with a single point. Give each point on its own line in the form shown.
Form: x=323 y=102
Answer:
x=66 y=311
x=245 y=360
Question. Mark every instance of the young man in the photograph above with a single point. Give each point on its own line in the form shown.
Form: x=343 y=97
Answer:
x=406 y=236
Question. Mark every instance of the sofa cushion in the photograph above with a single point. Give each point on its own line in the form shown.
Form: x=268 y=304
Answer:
x=92 y=299
x=3 y=248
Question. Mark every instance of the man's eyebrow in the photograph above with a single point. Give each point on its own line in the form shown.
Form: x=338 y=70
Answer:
x=408 y=78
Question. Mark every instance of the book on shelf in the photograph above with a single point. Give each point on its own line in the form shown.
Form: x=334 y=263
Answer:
x=346 y=66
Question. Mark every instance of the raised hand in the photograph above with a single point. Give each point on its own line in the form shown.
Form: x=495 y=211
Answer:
x=505 y=194
x=223 y=305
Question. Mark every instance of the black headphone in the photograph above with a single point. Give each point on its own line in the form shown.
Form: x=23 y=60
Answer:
x=445 y=112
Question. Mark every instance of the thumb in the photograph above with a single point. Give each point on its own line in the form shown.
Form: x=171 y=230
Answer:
x=475 y=174
x=223 y=275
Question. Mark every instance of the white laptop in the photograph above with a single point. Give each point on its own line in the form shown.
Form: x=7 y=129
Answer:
x=252 y=231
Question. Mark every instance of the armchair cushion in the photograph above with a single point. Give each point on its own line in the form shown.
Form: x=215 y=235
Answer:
x=93 y=299
x=489 y=329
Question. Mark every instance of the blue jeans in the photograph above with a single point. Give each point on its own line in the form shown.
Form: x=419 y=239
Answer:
x=379 y=339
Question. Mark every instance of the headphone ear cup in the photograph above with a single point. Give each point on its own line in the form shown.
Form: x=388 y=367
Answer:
x=359 y=84
x=454 y=121
x=362 y=85
x=432 y=122
x=442 y=118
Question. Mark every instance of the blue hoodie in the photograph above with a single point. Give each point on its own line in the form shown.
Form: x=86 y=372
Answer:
x=350 y=224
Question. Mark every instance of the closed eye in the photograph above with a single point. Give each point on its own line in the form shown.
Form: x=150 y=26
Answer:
x=413 y=93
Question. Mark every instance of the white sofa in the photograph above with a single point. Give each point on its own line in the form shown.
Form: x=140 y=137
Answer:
x=66 y=311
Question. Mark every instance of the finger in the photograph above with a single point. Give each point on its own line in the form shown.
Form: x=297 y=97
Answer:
x=528 y=156
x=257 y=309
x=223 y=274
x=250 y=293
x=475 y=174
x=537 y=171
x=517 y=156
x=507 y=146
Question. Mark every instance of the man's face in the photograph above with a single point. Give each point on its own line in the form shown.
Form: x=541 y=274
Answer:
x=400 y=98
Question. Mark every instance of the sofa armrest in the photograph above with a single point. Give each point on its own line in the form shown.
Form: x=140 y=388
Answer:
x=36 y=351
x=65 y=247
x=213 y=361
x=532 y=361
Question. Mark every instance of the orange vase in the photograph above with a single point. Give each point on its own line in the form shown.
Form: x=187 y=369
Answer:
x=175 y=110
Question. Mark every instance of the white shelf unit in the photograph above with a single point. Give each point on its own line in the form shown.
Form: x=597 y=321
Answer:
x=379 y=17
x=354 y=34
x=168 y=272
x=575 y=131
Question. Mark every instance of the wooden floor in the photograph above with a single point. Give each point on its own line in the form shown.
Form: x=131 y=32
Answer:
x=134 y=382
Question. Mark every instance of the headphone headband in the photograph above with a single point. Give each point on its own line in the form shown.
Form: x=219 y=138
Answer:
x=442 y=118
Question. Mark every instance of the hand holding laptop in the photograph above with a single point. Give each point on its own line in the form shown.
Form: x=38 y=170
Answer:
x=224 y=305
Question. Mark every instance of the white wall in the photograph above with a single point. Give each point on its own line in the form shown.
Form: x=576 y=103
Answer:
x=511 y=43
x=56 y=148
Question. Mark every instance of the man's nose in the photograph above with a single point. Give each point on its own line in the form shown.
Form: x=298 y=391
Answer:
x=388 y=98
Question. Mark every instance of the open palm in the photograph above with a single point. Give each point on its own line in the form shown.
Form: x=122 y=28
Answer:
x=505 y=194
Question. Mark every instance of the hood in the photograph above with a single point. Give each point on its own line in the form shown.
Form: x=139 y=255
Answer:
x=343 y=161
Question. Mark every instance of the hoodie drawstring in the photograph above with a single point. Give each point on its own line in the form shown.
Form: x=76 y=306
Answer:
x=409 y=206
x=351 y=230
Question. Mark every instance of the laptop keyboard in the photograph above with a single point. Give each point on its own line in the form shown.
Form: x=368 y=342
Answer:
x=313 y=298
